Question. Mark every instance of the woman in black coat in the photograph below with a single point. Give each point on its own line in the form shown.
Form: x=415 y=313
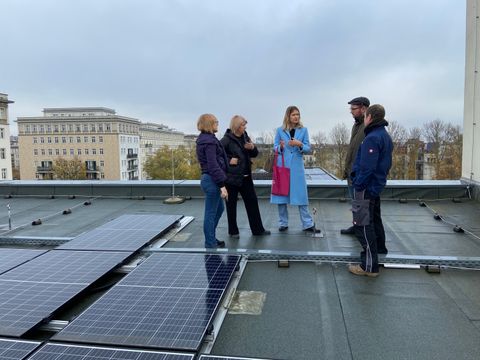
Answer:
x=240 y=150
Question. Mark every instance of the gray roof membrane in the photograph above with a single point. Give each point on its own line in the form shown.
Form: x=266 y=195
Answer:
x=315 y=309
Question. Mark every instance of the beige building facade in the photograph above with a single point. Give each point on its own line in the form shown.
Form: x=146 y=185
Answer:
x=5 y=157
x=108 y=144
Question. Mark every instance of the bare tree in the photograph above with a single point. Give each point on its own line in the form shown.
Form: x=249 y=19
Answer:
x=339 y=136
x=320 y=149
x=434 y=133
x=414 y=149
x=451 y=153
x=74 y=169
x=398 y=133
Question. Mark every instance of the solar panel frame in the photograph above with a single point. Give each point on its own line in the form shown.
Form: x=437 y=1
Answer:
x=64 y=266
x=80 y=352
x=16 y=349
x=11 y=258
x=126 y=233
x=219 y=357
x=167 y=316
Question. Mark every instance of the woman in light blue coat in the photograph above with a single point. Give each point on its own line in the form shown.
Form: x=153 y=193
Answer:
x=291 y=140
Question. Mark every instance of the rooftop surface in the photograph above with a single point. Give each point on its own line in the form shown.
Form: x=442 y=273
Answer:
x=314 y=308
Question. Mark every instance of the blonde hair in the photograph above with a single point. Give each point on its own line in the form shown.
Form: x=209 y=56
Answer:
x=286 y=118
x=236 y=122
x=206 y=123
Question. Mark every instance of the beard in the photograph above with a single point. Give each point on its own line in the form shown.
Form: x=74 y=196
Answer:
x=359 y=118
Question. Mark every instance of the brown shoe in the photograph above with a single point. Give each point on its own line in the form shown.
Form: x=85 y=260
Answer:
x=357 y=270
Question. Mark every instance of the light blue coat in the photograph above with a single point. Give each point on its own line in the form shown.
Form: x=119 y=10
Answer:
x=293 y=160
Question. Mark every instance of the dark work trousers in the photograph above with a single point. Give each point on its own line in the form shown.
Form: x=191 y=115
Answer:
x=371 y=236
x=249 y=197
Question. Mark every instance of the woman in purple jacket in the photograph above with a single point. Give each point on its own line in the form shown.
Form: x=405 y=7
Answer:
x=213 y=161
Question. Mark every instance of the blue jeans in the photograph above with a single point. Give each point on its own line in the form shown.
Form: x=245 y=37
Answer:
x=213 y=209
x=305 y=216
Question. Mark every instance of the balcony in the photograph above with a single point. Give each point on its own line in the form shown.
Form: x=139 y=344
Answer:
x=132 y=156
x=132 y=167
x=44 y=169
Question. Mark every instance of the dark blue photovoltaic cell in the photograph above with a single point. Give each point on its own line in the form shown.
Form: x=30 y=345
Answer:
x=187 y=271
x=77 y=352
x=78 y=267
x=16 y=349
x=172 y=311
x=126 y=233
x=25 y=304
x=9 y=258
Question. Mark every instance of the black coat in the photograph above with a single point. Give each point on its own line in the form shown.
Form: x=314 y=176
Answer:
x=234 y=147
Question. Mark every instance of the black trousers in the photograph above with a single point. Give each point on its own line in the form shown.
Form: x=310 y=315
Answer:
x=372 y=236
x=247 y=190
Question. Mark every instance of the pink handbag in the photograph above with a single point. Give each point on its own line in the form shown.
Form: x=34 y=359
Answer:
x=280 y=178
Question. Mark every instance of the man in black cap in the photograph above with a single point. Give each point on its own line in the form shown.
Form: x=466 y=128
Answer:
x=358 y=106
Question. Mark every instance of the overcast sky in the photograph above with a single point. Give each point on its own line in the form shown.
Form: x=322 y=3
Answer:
x=169 y=61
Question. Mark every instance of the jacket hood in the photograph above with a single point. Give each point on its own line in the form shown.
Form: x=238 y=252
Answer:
x=206 y=138
x=375 y=124
x=229 y=133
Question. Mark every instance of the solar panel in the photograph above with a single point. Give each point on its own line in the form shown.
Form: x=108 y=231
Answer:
x=25 y=304
x=173 y=312
x=34 y=290
x=79 y=267
x=9 y=258
x=126 y=233
x=186 y=271
x=77 y=352
x=16 y=349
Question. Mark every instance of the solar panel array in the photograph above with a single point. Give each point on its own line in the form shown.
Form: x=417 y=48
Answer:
x=125 y=233
x=76 y=352
x=9 y=258
x=167 y=302
x=16 y=349
x=31 y=292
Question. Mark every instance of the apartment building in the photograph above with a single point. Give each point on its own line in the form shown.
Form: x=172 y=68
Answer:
x=5 y=158
x=107 y=143
x=155 y=136
x=15 y=157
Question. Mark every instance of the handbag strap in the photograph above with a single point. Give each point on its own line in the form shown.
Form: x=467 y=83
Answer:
x=276 y=158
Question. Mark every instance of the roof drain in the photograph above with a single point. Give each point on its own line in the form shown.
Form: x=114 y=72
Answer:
x=67 y=211
x=37 y=222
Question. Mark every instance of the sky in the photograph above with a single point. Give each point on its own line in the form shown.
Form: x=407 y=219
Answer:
x=168 y=61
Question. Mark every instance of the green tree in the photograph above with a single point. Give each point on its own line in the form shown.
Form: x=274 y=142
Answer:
x=159 y=166
x=64 y=169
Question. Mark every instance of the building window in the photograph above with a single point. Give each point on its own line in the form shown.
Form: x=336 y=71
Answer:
x=42 y=139
x=78 y=127
x=4 y=173
x=78 y=139
x=85 y=128
x=109 y=128
x=100 y=127
x=92 y=127
x=34 y=140
x=70 y=139
x=35 y=152
x=86 y=151
x=27 y=129
x=64 y=151
x=79 y=151
x=49 y=128
x=70 y=127
x=94 y=151
x=49 y=140
x=100 y=139
x=72 y=152
x=55 y=128
x=85 y=139
x=64 y=128
x=93 y=139
x=34 y=128
x=56 y=139
x=2 y=153
x=102 y=163
x=101 y=151
x=102 y=175
x=43 y=152
x=64 y=140
x=57 y=151
x=2 y=133
x=50 y=152
x=42 y=129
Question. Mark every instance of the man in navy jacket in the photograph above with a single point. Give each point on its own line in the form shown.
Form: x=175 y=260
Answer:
x=369 y=176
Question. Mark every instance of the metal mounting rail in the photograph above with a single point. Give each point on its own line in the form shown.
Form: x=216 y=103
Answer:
x=340 y=257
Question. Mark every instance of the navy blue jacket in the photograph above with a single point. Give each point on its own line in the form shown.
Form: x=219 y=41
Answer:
x=212 y=158
x=374 y=159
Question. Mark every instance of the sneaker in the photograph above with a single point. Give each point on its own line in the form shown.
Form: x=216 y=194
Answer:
x=283 y=228
x=357 y=270
x=312 y=229
x=234 y=236
x=220 y=244
x=348 y=231
x=264 y=232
